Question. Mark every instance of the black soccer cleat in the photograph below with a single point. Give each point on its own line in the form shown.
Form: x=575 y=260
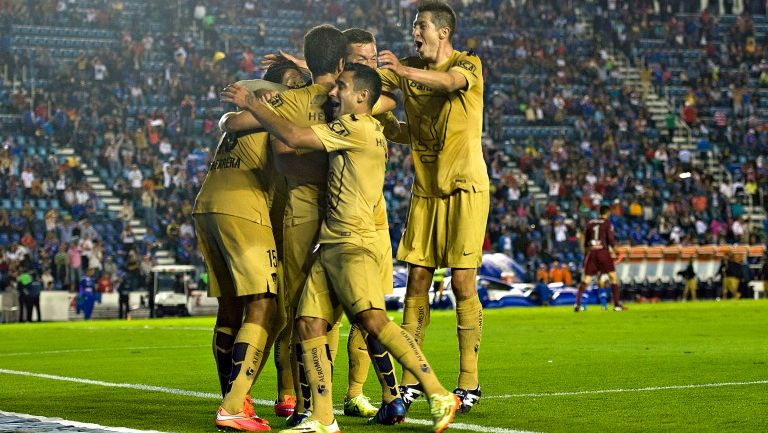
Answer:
x=410 y=393
x=468 y=397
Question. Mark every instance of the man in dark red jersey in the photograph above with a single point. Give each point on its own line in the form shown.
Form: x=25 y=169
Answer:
x=598 y=243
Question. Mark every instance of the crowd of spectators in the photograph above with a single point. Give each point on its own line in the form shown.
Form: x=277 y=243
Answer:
x=139 y=106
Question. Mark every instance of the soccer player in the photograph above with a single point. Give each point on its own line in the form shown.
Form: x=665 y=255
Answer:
x=347 y=257
x=443 y=96
x=289 y=74
x=361 y=48
x=324 y=50
x=232 y=220
x=598 y=245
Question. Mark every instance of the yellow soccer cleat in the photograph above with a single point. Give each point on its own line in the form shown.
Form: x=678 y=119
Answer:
x=359 y=405
x=443 y=409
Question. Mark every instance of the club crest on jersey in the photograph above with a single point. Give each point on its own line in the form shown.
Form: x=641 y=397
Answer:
x=465 y=64
x=339 y=128
x=276 y=101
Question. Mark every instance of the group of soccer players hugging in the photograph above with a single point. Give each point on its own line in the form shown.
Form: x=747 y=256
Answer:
x=292 y=223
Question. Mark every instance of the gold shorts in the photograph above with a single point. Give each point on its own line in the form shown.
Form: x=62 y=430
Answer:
x=384 y=246
x=298 y=256
x=446 y=232
x=239 y=253
x=343 y=278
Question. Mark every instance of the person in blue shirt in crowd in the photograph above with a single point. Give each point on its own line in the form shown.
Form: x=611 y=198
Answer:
x=87 y=293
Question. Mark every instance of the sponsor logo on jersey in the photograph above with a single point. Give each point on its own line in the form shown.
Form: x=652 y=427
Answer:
x=339 y=128
x=225 y=163
x=316 y=116
x=419 y=86
x=465 y=64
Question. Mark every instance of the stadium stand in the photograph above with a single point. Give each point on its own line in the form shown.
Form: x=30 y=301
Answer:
x=108 y=113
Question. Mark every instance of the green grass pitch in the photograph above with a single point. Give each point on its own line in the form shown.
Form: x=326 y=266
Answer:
x=696 y=367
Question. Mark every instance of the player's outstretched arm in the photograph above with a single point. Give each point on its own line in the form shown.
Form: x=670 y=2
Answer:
x=285 y=131
x=449 y=81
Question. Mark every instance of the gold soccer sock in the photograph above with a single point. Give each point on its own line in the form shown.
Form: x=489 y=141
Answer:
x=223 y=340
x=333 y=340
x=415 y=322
x=319 y=371
x=469 y=320
x=359 y=360
x=247 y=354
x=403 y=347
x=385 y=369
x=283 y=364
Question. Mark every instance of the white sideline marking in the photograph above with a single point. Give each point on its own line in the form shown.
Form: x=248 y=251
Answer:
x=138 y=386
x=212 y=396
x=76 y=424
x=619 y=390
x=53 y=352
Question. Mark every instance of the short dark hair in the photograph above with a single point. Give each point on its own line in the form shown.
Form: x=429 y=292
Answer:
x=275 y=71
x=358 y=36
x=324 y=46
x=366 y=78
x=442 y=15
x=604 y=209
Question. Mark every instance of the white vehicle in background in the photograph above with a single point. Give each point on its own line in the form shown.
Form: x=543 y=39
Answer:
x=172 y=286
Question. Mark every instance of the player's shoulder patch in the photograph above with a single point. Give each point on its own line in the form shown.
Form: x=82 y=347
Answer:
x=276 y=101
x=338 y=127
x=466 y=64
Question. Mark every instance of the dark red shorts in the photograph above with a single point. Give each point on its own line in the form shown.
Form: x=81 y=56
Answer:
x=598 y=262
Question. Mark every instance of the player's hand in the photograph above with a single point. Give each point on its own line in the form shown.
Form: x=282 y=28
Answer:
x=620 y=258
x=237 y=95
x=388 y=60
x=269 y=59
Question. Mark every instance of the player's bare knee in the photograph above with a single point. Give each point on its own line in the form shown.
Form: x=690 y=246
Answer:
x=614 y=278
x=260 y=308
x=419 y=281
x=311 y=327
x=230 y=313
x=372 y=321
x=463 y=283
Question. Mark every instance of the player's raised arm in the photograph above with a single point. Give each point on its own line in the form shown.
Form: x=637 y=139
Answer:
x=449 y=81
x=285 y=131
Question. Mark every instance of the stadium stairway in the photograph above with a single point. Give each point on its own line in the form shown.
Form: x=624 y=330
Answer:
x=659 y=109
x=162 y=256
